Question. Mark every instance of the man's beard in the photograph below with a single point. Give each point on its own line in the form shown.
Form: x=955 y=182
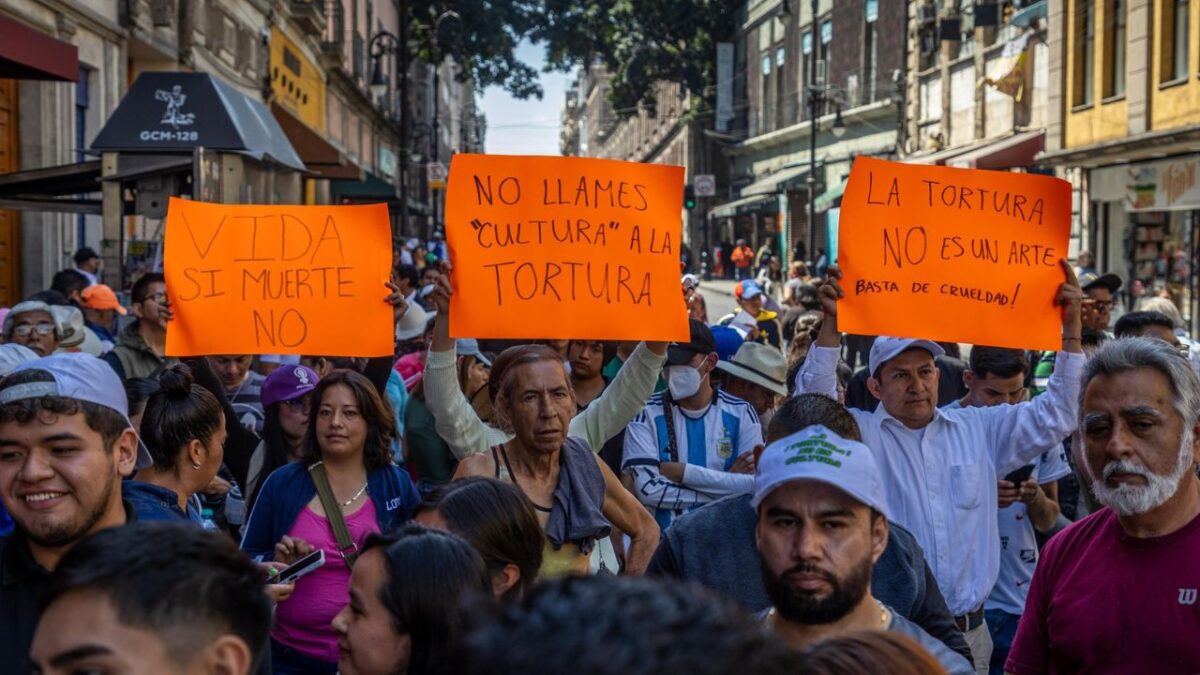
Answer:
x=803 y=607
x=1132 y=500
x=61 y=534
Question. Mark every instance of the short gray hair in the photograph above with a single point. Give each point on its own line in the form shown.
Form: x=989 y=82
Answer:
x=1126 y=354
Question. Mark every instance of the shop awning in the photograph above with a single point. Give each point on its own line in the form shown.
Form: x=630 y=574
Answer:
x=178 y=112
x=59 y=188
x=743 y=205
x=28 y=54
x=827 y=198
x=371 y=188
x=940 y=156
x=319 y=155
x=779 y=181
x=1017 y=150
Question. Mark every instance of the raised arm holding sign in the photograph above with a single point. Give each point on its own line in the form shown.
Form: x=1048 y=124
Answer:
x=565 y=247
x=955 y=255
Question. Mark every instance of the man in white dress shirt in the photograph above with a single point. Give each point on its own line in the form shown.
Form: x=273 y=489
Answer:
x=940 y=467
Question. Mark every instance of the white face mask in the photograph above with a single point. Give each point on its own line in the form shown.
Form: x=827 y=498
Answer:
x=683 y=381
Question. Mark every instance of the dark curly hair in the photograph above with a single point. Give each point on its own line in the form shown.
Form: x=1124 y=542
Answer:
x=105 y=421
x=381 y=428
x=646 y=626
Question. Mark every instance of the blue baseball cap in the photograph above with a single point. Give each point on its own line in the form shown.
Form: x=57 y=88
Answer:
x=748 y=290
x=78 y=376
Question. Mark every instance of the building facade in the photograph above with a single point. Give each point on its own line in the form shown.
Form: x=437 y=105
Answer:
x=1124 y=127
x=857 y=48
x=71 y=64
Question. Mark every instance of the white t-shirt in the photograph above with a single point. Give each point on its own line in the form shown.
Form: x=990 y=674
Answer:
x=1018 y=543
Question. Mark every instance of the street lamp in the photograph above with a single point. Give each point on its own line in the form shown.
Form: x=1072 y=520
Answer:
x=452 y=16
x=839 y=129
x=385 y=43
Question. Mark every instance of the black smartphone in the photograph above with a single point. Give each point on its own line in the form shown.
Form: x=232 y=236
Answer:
x=301 y=567
x=1020 y=475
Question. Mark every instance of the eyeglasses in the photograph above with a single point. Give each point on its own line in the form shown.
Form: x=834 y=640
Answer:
x=159 y=297
x=1101 y=305
x=24 y=330
x=300 y=405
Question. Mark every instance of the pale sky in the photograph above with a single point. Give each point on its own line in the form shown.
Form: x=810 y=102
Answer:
x=516 y=127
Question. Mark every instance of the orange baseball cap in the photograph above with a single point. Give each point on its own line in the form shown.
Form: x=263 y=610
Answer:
x=99 y=296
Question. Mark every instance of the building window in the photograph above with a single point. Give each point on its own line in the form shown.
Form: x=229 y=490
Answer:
x=1114 y=50
x=1175 y=40
x=1085 y=51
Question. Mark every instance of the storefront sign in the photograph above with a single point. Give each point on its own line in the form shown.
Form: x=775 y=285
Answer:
x=1163 y=186
x=278 y=279
x=564 y=247
x=960 y=255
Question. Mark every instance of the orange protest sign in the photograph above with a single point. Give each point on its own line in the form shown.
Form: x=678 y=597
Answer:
x=565 y=247
x=957 y=255
x=278 y=279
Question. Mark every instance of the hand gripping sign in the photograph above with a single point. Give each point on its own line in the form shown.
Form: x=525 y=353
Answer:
x=278 y=279
x=565 y=247
x=958 y=255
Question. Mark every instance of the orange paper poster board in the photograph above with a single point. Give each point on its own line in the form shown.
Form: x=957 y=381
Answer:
x=957 y=255
x=278 y=279
x=565 y=247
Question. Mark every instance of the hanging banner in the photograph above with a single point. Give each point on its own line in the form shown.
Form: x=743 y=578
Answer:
x=278 y=279
x=565 y=247
x=957 y=255
x=1168 y=185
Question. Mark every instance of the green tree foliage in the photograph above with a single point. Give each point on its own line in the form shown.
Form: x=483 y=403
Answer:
x=481 y=40
x=639 y=42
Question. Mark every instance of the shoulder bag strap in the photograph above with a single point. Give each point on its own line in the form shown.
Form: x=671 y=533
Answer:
x=669 y=416
x=333 y=511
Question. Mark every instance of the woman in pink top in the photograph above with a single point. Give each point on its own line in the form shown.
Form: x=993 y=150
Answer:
x=350 y=432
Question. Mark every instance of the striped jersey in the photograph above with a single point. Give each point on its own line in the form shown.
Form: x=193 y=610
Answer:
x=707 y=441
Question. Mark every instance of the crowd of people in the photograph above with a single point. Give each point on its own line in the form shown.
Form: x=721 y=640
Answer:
x=768 y=496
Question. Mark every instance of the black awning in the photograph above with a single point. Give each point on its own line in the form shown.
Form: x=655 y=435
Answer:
x=62 y=188
x=176 y=111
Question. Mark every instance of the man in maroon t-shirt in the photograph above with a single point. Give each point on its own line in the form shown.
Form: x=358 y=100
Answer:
x=1117 y=591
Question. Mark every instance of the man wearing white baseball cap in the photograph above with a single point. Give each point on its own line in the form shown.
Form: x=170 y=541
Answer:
x=940 y=466
x=65 y=444
x=822 y=524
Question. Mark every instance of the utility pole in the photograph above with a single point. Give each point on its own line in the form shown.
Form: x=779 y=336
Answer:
x=813 y=101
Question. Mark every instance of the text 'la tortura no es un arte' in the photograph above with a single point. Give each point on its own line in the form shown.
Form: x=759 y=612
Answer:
x=910 y=245
x=572 y=280
x=274 y=239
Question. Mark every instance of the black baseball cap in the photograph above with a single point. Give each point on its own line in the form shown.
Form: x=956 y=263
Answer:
x=1110 y=281
x=701 y=342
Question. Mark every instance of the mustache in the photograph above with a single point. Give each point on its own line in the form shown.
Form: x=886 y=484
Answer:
x=810 y=569
x=1125 y=466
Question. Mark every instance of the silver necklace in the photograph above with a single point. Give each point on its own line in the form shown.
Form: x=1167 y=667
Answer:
x=358 y=494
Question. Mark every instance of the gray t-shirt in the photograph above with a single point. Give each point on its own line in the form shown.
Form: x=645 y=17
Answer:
x=952 y=661
x=246 y=400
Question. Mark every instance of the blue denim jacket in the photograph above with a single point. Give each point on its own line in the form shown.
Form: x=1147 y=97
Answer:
x=289 y=488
